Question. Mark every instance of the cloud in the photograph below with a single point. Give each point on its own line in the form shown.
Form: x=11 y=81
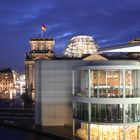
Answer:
x=64 y=35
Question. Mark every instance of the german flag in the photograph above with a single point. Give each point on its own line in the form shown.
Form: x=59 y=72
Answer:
x=43 y=27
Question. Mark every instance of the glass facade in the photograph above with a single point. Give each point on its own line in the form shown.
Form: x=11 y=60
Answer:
x=106 y=83
x=131 y=83
x=107 y=113
x=107 y=132
x=132 y=113
x=109 y=83
x=107 y=103
x=81 y=111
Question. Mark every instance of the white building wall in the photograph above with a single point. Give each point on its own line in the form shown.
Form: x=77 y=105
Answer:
x=53 y=84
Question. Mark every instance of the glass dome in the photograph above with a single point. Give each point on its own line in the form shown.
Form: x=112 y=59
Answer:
x=81 y=45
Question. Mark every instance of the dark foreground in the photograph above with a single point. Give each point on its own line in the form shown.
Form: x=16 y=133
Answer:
x=10 y=133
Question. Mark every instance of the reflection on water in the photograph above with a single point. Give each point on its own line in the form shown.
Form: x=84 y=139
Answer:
x=7 y=133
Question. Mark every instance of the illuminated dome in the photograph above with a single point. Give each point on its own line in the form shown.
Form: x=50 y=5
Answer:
x=81 y=45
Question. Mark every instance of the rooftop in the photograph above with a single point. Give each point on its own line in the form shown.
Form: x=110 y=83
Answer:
x=6 y=70
x=41 y=39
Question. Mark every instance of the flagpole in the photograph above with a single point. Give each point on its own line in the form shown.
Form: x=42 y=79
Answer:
x=42 y=33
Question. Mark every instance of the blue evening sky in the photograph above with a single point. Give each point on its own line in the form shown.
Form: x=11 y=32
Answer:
x=110 y=22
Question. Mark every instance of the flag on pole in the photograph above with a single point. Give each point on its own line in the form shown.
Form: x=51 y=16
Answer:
x=43 y=27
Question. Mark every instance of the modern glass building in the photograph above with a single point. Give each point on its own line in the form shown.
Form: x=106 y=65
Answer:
x=81 y=45
x=106 y=101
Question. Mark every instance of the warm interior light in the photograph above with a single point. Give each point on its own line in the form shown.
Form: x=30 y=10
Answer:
x=108 y=132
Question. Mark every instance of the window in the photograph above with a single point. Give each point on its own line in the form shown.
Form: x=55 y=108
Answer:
x=106 y=83
x=107 y=113
x=81 y=111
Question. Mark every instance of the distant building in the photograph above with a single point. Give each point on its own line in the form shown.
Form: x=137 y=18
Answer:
x=6 y=83
x=19 y=83
x=125 y=48
x=22 y=83
x=41 y=48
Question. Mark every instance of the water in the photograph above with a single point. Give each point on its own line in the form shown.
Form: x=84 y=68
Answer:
x=9 y=133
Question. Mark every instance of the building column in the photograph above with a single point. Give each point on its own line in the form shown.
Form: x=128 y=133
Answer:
x=89 y=119
x=73 y=80
x=89 y=83
x=124 y=106
x=73 y=103
x=89 y=104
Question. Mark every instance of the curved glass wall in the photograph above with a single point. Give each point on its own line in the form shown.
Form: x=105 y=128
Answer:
x=108 y=83
x=81 y=111
x=107 y=103
x=132 y=113
x=107 y=132
x=107 y=113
